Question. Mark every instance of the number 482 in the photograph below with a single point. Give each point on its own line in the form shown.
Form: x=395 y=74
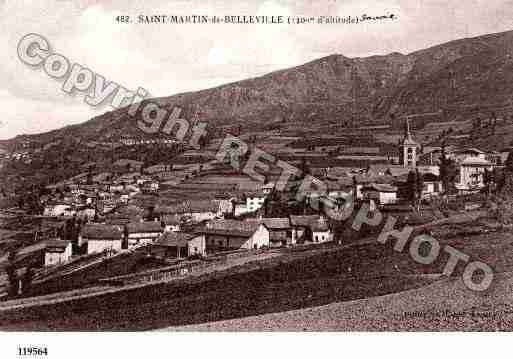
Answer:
x=123 y=18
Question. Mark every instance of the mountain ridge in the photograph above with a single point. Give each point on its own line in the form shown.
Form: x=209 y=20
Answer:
x=463 y=77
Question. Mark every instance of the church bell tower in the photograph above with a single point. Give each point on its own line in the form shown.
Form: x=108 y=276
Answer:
x=408 y=148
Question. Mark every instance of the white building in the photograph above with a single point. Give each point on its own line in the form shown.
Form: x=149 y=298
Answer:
x=232 y=234
x=472 y=171
x=255 y=201
x=57 y=251
x=380 y=193
x=101 y=237
x=179 y=245
x=310 y=228
x=57 y=209
x=321 y=232
x=143 y=232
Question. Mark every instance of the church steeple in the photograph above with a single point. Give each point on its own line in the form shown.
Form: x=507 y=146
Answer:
x=408 y=148
x=408 y=138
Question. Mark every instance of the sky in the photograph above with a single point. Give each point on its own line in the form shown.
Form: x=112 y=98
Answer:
x=171 y=58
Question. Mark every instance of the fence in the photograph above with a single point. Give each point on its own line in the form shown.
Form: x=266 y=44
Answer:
x=165 y=273
x=182 y=269
x=72 y=264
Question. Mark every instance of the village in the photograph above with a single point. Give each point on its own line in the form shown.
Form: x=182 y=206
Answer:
x=172 y=215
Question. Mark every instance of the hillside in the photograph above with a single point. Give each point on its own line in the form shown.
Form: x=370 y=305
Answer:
x=455 y=80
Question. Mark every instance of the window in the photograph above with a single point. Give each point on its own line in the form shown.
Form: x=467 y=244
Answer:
x=317 y=238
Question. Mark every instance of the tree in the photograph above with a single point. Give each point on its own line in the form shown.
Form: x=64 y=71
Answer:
x=494 y=123
x=448 y=171
x=508 y=165
x=488 y=180
x=411 y=187
x=419 y=186
x=26 y=279
x=499 y=178
x=12 y=274
x=305 y=169
x=89 y=179
x=505 y=199
x=505 y=192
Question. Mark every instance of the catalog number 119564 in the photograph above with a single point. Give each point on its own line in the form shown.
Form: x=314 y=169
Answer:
x=33 y=351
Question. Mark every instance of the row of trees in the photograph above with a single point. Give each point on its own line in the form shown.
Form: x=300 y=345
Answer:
x=504 y=192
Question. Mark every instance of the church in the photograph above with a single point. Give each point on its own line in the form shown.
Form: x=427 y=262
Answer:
x=410 y=158
x=472 y=163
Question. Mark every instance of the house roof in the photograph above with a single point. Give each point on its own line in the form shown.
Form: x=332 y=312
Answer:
x=380 y=187
x=272 y=223
x=470 y=150
x=102 y=231
x=430 y=177
x=303 y=221
x=475 y=161
x=226 y=232
x=315 y=222
x=122 y=218
x=231 y=227
x=129 y=211
x=320 y=225
x=189 y=206
x=56 y=244
x=144 y=227
x=174 y=239
x=362 y=179
x=171 y=219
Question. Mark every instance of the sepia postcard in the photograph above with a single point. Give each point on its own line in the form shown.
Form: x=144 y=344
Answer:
x=183 y=167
